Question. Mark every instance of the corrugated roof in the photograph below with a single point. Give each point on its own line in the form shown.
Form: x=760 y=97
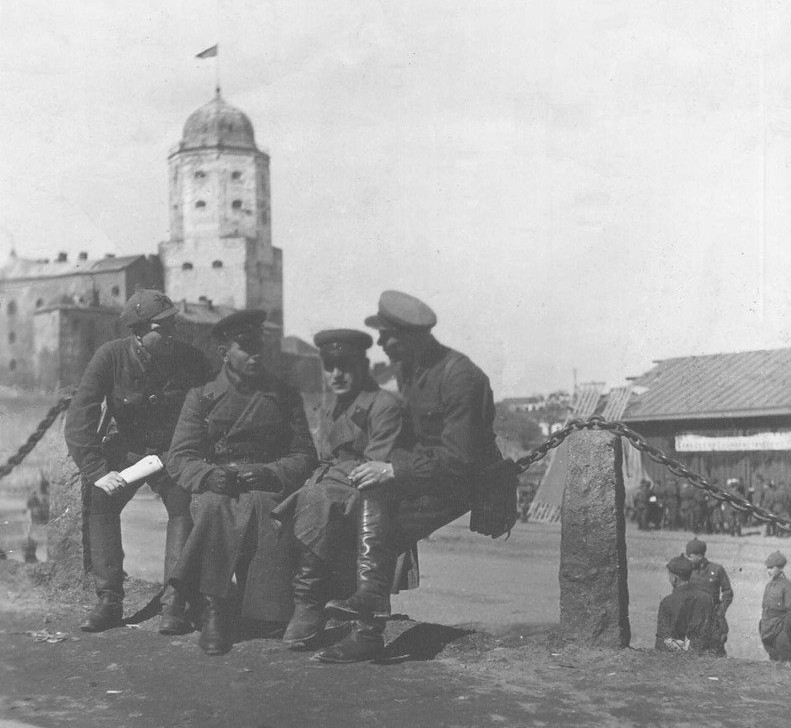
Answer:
x=23 y=268
x=741 y=384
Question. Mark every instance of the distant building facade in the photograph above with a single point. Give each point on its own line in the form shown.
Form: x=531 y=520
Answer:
x=218 y=258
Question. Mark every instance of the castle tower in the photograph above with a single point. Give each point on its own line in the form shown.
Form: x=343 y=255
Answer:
x=220 y=245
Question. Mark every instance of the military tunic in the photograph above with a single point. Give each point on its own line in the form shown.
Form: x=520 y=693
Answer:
x=685 y=614
x=713 y=579
x=229 y=423
x=450 y=414
x=143 y=399
x=775 y=624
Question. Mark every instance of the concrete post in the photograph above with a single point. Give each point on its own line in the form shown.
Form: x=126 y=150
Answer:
x=66 y=532
x=594 y=595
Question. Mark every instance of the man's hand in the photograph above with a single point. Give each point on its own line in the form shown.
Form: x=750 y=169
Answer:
x=371 y=475
x=255 y=476
x=222 y=481
x=111 y=483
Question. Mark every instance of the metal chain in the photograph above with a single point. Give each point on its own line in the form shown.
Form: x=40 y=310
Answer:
x=33 y=440
x=596 y=422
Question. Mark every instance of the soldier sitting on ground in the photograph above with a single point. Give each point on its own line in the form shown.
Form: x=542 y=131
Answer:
x=712 y=579
x=686 y=615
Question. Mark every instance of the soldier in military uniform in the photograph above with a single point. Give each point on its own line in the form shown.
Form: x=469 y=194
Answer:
x=418 y=489
x=242 y=444
x=359 y=422
x=141 y=381
x=712 y=579
x=685 y=616
x=775 y=624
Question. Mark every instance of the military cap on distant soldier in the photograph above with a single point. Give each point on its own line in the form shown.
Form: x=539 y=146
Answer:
x=334 y=343
x=401 y=311
x=237 y=324
x=679 y=566
x=696 y=546
x=145 y=306
x=775 y=560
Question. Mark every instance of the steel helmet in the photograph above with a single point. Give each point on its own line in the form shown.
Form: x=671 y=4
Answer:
x=147 y=305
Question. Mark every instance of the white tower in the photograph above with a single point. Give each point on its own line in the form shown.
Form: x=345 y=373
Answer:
x=220 y=244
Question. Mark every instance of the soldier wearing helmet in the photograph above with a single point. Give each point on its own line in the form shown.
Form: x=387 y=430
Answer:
x=138 y=383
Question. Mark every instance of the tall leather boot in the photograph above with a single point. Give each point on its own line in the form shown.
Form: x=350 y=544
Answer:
x=107 y=562
x=174 y=619
x=310 y=593
x=213 y=637
x=376 y=558
x=365 y=642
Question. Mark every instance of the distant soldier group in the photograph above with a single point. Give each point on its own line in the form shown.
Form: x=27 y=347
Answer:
x=692 y=617
x=672 y=505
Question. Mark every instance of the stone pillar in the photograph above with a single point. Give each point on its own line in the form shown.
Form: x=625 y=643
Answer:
x=594 y=595
x=66 y=533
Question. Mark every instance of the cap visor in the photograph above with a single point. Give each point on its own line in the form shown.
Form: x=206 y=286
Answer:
x=377 y=322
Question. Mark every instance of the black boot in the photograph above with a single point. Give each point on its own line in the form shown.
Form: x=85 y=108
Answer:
x=364 y=643
x=213 y=638
x=107 y=560
x=174 y=619
x=376 y=558
x=310 y=585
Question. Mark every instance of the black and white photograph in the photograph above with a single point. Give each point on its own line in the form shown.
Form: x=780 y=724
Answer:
x=379 y=364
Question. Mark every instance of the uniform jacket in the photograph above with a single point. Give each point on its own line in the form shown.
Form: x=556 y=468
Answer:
x=776 y=607
x=143 y=399
x=224 y=422
x=366 y=429
x=713 y=579
x=450 y=415
x=687 y=613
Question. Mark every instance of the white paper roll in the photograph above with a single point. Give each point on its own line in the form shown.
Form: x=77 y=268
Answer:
x=149 y=465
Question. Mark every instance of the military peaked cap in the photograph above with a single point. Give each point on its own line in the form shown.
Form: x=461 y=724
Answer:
x=696 y=546
x=342 y=342
x=147 y=305
x=401 y=311
x=680 y=566
x=238 y=324
x=775 y=559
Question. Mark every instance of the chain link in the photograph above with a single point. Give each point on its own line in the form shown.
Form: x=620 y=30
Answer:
x=33 y=440
x=596 y=422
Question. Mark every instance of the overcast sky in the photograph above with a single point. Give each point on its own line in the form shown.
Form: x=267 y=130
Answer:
x=571 y=185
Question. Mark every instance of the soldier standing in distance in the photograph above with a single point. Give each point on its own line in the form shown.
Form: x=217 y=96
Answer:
x=359 y=422
x=142 y=380
x=418 y=489
x=712 y=579
x=241 y=445
x=775 y=624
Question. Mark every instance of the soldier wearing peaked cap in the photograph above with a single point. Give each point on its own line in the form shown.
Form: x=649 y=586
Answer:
x=241 y=445
x=427 y=482
x=139 y=383
x=359 y=422
x=712 y=579
x=685 y=616
x=775 y=624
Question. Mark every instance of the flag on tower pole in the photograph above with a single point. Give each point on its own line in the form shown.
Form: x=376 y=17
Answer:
x=208 y=53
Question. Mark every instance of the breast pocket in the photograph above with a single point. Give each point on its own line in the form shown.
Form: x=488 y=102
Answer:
x=430 y=419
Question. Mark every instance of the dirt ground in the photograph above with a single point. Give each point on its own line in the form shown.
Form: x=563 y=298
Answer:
x=476 y=650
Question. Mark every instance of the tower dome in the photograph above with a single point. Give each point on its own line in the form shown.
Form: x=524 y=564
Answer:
x=218 y=124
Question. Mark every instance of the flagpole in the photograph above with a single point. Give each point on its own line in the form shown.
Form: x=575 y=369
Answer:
x=217 y=70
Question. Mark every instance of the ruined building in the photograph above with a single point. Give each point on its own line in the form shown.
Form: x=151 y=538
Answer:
x=218 y=257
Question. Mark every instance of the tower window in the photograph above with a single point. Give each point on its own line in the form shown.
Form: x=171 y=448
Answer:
x=12 y=365
x=216 y=264
x=236 y=204
x=200 y=204
x=39 y=302
x=236 y=175
x=11 y=337
x=200 y=174
x=11 y=308
x=186 y=266
x=115 y=290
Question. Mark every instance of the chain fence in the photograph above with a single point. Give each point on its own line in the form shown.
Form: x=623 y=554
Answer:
x=596 y=422
x=35 y=437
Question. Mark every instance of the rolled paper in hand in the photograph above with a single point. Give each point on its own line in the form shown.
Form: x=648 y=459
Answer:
x=148 y=465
